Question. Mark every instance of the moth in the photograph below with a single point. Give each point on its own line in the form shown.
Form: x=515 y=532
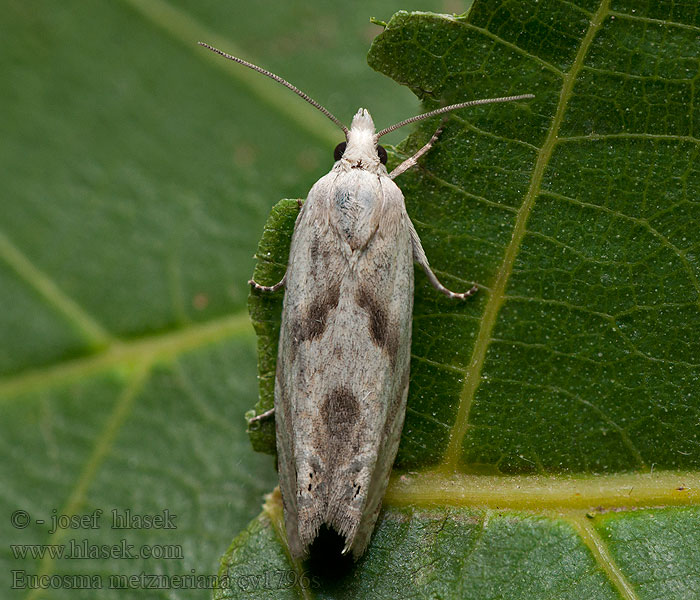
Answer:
x=344 y=349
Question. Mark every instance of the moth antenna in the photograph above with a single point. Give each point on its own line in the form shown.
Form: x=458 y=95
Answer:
x=452 y=107
x=278 y=79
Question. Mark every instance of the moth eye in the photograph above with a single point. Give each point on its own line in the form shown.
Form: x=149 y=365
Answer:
x=339 y=150
x=382 y=154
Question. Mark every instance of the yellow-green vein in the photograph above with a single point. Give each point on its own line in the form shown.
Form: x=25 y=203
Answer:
x=95 y=335
x=497 y=296
x=103 y=444
x=545 y=492
x=128 y=355
x=602 y=556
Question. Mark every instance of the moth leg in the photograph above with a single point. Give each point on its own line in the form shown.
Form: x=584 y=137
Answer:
x=267 y=288
x=261 y=416
x=413 y=160
x=279 y=284
x=441 y=288
x=420 y=257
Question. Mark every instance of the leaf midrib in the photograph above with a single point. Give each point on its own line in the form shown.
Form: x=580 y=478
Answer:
x=546 y=492
x=497 y=296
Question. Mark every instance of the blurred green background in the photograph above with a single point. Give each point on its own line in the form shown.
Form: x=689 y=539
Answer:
x=137 y=171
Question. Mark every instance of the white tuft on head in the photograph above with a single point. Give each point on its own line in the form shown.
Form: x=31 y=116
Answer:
x=361 y=150
x=362 y=121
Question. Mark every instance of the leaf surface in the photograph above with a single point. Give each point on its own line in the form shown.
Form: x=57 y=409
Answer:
x=551 y=435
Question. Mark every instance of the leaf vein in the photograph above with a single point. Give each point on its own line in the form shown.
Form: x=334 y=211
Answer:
x=496 y=299
x=622 y=75
x=642 y=223
x=462 y=192
x=602 y=556
x=127 y=354
x=90 y=329
x=103 y=444
x=512 y=46
x=439 y=365
x=630 y=136
x=621 y=15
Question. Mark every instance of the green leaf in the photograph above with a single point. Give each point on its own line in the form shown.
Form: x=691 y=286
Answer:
x=137 y=171
x=551 y=445
x=265 y=310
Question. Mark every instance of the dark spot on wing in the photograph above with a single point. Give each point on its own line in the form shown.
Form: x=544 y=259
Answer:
x=312 y=325
x=384 y=334
x=326 y=258
x=392 y=344
x=340 y=411
x=321 y=305
x=313 y=251
x=377 y=315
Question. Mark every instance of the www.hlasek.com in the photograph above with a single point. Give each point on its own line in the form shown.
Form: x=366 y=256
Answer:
x=82 y=549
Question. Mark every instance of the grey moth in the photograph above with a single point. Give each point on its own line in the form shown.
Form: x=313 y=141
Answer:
x=344 y=349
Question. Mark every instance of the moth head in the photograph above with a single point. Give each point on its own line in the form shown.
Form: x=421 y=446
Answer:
x=361 y=150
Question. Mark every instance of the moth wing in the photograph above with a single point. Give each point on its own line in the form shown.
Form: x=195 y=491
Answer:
x=386 y=284
x=343 y=360
x=311 y=293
